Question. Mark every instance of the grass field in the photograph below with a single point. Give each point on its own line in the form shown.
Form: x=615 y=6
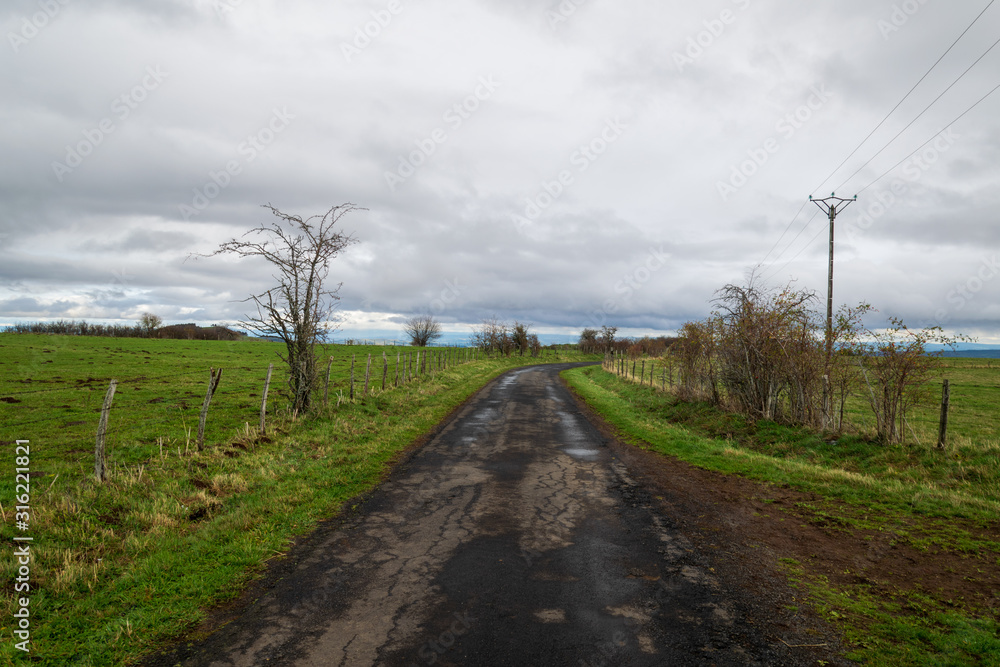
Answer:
x=967 y=473
x=937 y=503
x=974 y=412
x=53 y=388
x=118 y=568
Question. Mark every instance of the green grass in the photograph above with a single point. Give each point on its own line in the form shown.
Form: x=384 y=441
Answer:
x=972 y=420
x=963 y=481
x=912 y=629
x=120 y=567
x=52 y=388
x=926 y=499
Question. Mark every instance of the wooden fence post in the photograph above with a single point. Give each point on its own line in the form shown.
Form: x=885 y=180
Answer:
x=352 y=376
x=943 y=428
x=213 y=384
x=385 y=368
x=326 y=387
x=263 y=400
x=642 y=373
x=368 y=373
x=100 y=463
x=398 y=355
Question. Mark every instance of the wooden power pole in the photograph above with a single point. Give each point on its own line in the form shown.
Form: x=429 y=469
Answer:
x=831 y=205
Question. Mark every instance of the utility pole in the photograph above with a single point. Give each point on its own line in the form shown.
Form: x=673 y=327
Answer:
x=831 y=205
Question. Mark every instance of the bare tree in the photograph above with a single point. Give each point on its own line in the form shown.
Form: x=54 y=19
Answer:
x=298 y=309
x=896 y=367
x=519 y=337
x=588 y=341
x=607 y=337
x=148 y=324
x=422 y=330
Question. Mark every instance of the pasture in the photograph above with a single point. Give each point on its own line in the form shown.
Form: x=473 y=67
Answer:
x=117 y=568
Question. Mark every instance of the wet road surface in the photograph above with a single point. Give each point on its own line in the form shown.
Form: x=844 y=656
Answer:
x=513 y=537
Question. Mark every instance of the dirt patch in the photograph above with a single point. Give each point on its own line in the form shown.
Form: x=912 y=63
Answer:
x=761 y=523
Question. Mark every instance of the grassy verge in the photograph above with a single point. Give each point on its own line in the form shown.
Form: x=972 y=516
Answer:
x=118 y=568
x=920 y=498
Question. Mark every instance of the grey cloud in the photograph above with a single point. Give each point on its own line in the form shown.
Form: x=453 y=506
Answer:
x=112 y=235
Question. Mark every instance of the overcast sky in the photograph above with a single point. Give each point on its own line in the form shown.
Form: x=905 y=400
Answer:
x=567 y=164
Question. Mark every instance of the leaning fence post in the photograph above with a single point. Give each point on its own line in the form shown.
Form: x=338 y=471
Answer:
x=263 y=400
x=100 y=464
x=213 y=384
x=945 y=401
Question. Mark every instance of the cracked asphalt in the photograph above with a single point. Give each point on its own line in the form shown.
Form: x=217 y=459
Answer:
x=515 y=536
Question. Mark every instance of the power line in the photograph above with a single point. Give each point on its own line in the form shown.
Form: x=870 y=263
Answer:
x=884 y=174
x=905 y=97
x=960 y=116
x=877 y=127
x=792 y=222
x=961 y=76
x=792 y=243
x=802 y=250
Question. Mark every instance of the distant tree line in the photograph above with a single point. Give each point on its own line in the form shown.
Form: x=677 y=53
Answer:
x=148 y=326
x=494 y=335
x=605 y=341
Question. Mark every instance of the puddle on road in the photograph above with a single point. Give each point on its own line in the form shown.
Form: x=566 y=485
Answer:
x=585 y=454
x=571 y=429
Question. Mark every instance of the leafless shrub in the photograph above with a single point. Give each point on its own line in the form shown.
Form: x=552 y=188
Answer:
x=534 y=345
x=493 y=335
x=896 y=368
x=767 y=346
x=695 y=354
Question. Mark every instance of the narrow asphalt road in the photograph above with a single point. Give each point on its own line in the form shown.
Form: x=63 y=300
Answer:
x=514 y=537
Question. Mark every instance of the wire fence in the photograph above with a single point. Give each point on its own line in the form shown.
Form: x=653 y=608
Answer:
x=150 y=413
x=971 y=408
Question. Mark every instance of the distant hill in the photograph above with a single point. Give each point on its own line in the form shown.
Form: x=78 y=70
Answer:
x=972 y=354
